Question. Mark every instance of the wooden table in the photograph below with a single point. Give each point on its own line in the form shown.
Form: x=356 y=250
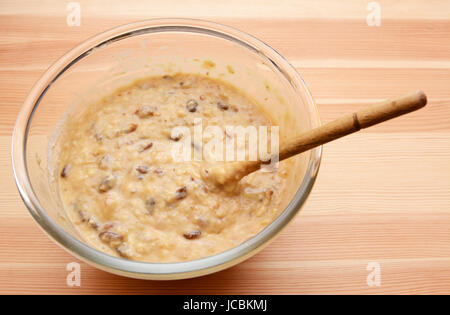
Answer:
x=382 y=196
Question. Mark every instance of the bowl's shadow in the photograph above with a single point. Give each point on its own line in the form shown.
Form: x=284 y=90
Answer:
x=227 y=281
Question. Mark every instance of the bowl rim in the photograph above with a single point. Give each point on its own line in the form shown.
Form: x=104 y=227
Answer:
x=150 y=270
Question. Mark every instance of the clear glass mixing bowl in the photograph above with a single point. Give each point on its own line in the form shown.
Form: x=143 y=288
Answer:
x=118 y=56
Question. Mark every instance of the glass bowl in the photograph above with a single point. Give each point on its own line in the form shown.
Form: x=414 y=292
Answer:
x=160 y=46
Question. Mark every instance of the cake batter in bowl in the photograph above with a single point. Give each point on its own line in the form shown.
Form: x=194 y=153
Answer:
x=89 y=110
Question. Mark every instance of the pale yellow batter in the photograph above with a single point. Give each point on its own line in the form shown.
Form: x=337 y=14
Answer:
x=128 y=197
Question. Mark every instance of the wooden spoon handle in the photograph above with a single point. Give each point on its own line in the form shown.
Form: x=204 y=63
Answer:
x=338 y=128
x=350 y=123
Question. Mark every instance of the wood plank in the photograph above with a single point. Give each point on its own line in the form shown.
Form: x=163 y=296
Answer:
x=296 y=39
x=253 y=9
x=382 y=195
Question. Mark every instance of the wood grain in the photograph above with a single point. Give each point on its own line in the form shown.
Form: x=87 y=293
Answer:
x=382 y=195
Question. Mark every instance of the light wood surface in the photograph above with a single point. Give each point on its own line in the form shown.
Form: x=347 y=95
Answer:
x=382 y=195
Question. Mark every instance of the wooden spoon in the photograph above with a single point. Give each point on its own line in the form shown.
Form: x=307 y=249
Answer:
x=232 y=172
